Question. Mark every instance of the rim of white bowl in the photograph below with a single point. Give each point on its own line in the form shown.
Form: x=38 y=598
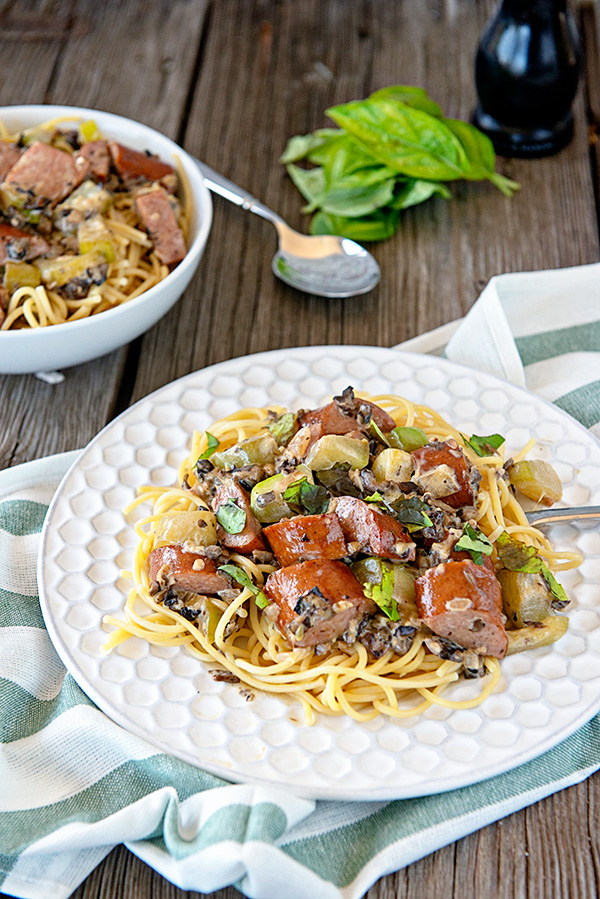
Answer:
x=194 y=252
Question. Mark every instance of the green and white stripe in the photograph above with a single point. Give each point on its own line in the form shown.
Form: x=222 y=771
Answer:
x=73 y=784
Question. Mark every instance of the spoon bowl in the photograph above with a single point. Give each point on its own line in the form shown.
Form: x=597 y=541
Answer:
x=324 y=265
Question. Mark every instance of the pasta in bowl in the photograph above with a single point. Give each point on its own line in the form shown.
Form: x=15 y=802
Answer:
x=357 y=558
x=104 y=222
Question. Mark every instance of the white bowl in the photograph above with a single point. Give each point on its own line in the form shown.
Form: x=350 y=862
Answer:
x=58 y=346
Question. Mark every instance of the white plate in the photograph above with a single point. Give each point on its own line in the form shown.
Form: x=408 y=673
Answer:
x=167 y=696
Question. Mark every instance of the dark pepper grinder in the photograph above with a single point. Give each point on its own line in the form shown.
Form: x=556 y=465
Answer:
x=526 y=73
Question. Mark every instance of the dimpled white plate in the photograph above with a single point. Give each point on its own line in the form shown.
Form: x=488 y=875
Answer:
x=168 y=697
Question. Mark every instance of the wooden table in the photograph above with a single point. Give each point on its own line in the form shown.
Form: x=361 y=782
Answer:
x=231 y=81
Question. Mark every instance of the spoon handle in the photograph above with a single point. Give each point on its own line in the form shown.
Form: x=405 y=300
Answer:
x=222 y=186
x=558 y=516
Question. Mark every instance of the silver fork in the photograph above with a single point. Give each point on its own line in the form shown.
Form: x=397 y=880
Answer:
x=561 y=516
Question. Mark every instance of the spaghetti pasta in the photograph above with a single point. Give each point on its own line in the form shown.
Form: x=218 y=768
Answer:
x=247 y=639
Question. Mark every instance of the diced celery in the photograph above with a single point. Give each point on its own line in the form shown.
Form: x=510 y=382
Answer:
x=393 y=465
x=257 y=450
x=191 y=530
x=89 y=131
x=543 y=633
x=525 y=597
x=62 y=269
x=266 y=499
x=336 y=449
x=537 y=480
x=92 y=234
x=20 y=274
x=407 y=439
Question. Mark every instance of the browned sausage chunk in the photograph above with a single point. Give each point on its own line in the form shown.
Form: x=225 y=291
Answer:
x=19 y=245
x=250 y=537
x=97 y=154
x=462 y=602
x=377 y=534
x=318 y=601
x=306 y=537
x=135 y=167
x=43 y=176
x=9 y=154
x=170 y=566
x=159 y=221
x=443 y=470
x=332 y=419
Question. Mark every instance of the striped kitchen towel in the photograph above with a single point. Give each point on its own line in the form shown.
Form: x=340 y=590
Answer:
x=73 y=784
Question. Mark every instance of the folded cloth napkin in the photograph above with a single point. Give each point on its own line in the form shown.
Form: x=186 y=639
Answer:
x=73 y=784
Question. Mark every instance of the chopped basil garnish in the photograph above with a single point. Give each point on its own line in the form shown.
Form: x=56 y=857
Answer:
x=283 y=428
x=411 y=512
x=484 y=446
x=239 y=575
x=231 y=518
x=382 y=593
x=517 y=556
x=312 y=498
x=212 y=444
x=475 y=543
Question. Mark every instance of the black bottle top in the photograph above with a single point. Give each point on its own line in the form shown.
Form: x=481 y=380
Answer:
x=526 y=73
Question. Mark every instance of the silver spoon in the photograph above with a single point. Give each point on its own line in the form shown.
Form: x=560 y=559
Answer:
x=326 y=265
x=561 y=516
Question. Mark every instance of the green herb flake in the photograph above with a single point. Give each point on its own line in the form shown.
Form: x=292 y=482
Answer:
x=484 y=446
x=282 y=429
x=231 y=518
x=412 y=513
x=382 y=593
x=240 y=576
x=311 y=498
x=517 y=556
x=212 y=444
x=475 y=543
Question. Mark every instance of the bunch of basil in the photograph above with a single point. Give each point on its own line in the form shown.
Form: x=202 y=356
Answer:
x=391 y=151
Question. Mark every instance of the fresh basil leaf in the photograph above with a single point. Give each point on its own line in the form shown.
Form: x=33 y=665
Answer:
x=407 y=439
x=480 y=151
x=375 y=431
x=379 y=225
x=314 y=498
x=556 y=589
x=357 y=201
x=412 y=96
x=283 y=428
x=212 y=444
x=516 y=555
x=484 y=446
x=231 y=518
x=242 y=578
x=415 y=191
x=382 y=593
x=310 y=182
x=475 y=543
x=292 y=493
x=300 y=146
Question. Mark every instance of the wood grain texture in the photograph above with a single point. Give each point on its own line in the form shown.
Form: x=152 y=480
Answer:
x=233 y=80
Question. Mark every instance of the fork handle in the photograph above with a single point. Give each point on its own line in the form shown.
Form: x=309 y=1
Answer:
x=556 y=516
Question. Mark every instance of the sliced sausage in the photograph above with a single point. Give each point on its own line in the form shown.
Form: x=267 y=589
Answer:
x=306 y=537
x=43 y=176
x=462 y=602
x=9 y=153
x=250 y=538
x=443 y=470
x=318 y=601
x=377 y=534
x=337 y=419
x=170 y=566
x=135 y=167
x=20 y=246
x=97 y=154
x=159 y=221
